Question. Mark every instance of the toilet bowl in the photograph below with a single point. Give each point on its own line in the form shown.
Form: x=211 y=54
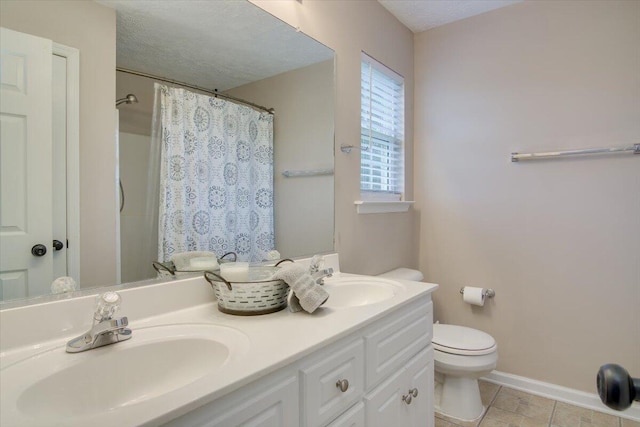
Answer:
x=461 y=356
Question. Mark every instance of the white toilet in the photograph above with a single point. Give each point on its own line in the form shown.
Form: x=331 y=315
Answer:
x=462 y=355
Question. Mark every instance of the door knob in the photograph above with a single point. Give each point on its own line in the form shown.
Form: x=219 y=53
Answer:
x=38 y=250
x=58 y=245
x=617 y=389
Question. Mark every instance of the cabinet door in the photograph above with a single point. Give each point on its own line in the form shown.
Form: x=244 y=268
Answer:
x=354 y=417
x=274 y=406
x=384 y=406
x=389 y=347
x=419 y=374
x=323 y=399
x=406 y=398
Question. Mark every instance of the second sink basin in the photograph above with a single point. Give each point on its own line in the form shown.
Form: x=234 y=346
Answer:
x=347 y=292
x=156 y=361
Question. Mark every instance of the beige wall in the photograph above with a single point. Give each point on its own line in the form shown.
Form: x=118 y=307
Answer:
x=375 y=243
x=558 y=240
x=303 y=139
x=91 y=28
x=135 y=118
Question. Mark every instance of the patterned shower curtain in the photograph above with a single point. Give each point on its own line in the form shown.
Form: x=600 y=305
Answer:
x=216 y=176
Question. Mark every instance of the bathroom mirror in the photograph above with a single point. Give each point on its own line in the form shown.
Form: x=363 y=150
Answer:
x=231 y=46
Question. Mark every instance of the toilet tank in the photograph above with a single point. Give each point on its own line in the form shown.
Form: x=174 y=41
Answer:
x=404 y=274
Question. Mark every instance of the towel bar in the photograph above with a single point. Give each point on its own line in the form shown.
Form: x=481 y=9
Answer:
x=307 y=172
x=516 y=157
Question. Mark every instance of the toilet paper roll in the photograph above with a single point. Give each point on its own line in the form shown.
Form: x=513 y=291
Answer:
x=473 y=295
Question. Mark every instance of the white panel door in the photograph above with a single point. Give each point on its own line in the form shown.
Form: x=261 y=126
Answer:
x=25 y=164
x=59 y=177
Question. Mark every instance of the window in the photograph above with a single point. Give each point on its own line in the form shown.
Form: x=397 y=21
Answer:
x=381 y=132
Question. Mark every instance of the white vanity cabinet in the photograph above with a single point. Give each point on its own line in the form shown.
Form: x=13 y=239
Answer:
x=354 y=417
x=380 y=375
x=405 y=398
x=331 y=382
x=270 y=402
x=400 y=360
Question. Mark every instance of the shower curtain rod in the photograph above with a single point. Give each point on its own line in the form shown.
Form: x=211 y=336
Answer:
x=187 y=85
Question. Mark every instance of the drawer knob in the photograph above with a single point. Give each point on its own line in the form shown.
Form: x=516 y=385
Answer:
x=413 y=392
x=343 y=385
x=407 y=399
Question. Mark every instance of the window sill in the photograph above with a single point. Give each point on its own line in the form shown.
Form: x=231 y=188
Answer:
x=372 y=207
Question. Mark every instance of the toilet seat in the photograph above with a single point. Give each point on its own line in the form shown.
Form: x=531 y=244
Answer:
x=461 y=340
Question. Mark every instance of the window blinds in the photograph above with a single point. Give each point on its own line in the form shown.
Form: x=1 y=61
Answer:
x=381 y=130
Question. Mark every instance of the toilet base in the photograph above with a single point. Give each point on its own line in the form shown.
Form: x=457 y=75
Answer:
x=460 y=398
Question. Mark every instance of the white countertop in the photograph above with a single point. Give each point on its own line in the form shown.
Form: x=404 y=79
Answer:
x=275 y=340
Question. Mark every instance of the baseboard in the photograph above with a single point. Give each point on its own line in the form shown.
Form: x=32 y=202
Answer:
x=562 y=394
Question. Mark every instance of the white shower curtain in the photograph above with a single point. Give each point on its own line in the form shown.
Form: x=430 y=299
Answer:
x=216 y=175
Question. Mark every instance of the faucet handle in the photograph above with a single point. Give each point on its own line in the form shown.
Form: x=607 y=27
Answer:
x=316 y=263
x=106 y=306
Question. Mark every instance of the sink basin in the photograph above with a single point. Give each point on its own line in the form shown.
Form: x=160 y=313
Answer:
x=156 y=361
x=345 y=292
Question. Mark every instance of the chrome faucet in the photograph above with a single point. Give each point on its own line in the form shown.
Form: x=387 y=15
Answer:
x=105 y=330
x=317 y=270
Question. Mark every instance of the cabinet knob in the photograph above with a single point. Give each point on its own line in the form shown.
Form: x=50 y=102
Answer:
x=413 y=392
x=343 y=385
x=407 y=398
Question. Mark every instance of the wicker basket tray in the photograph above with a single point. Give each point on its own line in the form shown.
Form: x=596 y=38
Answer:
x=258 y=295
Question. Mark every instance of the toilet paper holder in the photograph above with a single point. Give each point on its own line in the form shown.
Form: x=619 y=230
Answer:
x=487 y=293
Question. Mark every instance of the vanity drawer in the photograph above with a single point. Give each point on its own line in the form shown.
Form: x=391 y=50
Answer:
x=272 y=401
x=354 y=417
x=332 y=382
x=391 y=346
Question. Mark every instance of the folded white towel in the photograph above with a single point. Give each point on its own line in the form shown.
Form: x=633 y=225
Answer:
x=182 y=260
x=294 y=303
x=306 y=292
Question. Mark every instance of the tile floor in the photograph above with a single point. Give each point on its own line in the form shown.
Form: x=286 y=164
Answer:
x=512 y=408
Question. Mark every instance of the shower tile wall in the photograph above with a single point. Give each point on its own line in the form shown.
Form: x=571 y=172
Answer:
x=135 y=250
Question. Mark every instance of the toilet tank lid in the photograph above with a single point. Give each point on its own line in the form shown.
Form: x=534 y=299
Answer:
x=404 y=274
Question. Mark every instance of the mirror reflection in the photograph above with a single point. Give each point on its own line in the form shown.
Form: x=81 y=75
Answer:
x=215 y=102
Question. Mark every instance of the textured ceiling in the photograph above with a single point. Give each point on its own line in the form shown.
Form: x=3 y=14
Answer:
x=421 y=15
x=212 y=44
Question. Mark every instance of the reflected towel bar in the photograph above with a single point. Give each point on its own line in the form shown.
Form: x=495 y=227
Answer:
x=308 y=172
x=515 y=157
